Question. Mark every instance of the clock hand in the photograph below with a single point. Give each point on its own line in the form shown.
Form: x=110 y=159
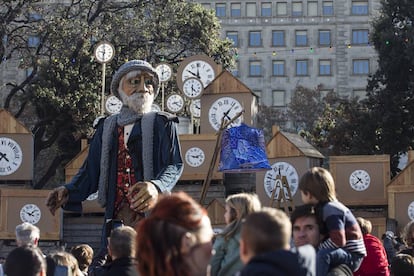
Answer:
x=198 y=73
x=3 y=155
x=194 y=74
x=177 y=103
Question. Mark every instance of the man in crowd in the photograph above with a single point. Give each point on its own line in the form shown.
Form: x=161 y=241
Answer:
x=265 y=246
x=27 y=234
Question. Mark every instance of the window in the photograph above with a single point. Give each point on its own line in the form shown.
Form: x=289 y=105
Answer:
x=325 y=38
x=360 y=66
x=327 y=8
x=278 y=68
x=266 y=9
x=234 y=36
x=359 y=36
x=359 y=8
x=297 y=9
x=301 y=68
x=207 y=6
x=301 y=38
x=281 y=8
x=255 y=38
x=251 y=9
x=312 y=8
x=220 y=10
x=278 y=38
x=255 y=69
x=33 y=41
x=235 y=10
x=325 y=67
x=278 y=98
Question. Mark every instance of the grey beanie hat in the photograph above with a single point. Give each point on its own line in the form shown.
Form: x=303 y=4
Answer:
x=130 y=66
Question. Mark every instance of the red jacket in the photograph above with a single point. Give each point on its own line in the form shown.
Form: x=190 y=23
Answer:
x=375 y=263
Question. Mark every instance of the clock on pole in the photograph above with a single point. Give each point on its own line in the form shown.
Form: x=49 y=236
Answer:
x=113 y=105
x=104 y=52
x=175 y=103
x=193 y=88
x=164 y=71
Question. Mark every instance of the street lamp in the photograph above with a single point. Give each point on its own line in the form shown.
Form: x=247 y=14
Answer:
x=104 y=52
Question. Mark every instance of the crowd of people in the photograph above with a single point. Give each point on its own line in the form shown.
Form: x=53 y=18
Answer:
x=177 y=238
x=134 y=161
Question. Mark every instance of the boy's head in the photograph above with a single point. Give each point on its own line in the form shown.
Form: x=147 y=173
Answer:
x=317 y=185
x=263 y=231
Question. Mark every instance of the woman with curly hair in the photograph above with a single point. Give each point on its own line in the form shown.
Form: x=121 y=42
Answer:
x=175 y=239
x=226 y=260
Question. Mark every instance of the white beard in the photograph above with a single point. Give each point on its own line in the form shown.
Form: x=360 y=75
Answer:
x=139 y=102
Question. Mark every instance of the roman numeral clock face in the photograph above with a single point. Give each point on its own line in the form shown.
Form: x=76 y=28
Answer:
x=281 y=175
x=11 y=156
x=225 y=108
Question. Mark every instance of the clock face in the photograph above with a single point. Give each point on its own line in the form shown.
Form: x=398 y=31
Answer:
x=164 y=71
x=193 y=88
x=155 y=108
x=104 y=52
x=195 y=108
x=282 y=174
x=30 y=213
x=195 y=157
x=227 y=108
x=200 y=69
x=11 y=156
x=359 y=180
x=92 y=196
x=113 y=105
x=175 y=103
x=411 y=210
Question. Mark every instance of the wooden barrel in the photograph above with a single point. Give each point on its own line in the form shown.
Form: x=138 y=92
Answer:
x=235 y=183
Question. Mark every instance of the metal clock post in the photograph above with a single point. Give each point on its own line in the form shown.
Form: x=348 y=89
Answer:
x=104 y=52
x=164 y=71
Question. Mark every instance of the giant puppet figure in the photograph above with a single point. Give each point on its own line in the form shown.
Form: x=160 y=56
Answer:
x=133 y=157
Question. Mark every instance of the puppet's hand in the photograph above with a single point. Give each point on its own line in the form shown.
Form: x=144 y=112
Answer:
x=143 y=196
x=56 y=198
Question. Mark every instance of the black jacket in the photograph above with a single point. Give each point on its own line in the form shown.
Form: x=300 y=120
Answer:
x=282 y=263
x=121 y=267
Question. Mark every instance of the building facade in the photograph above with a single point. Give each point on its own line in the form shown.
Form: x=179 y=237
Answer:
x=283 y=44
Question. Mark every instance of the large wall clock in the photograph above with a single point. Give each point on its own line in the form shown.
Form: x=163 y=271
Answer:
x=11 y=156
x=273 y=179
x=224 y=107
x=199 y=66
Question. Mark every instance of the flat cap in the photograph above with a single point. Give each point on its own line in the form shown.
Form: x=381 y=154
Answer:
x=134 y=65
